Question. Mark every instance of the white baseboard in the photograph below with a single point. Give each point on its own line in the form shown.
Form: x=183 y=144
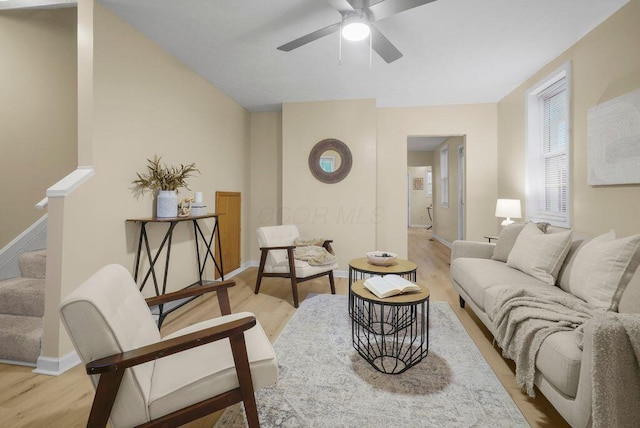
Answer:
x=442 y=240
x=56 y=366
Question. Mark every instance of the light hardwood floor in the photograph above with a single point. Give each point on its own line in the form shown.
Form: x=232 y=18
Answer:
x=30 y=400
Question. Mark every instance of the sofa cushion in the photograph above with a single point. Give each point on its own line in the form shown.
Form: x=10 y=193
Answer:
x=506 y=241
x=477 y=275
x=602 y=269
x=538 y=254
x=508 y=237
x=630 y=300
x=564 y=276
x=559 y=360
x=492 y=292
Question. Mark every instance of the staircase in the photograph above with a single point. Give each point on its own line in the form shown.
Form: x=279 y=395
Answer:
x=22 y=309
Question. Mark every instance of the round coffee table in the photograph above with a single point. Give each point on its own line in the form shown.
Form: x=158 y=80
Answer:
x=391 y=334
x=361 y=268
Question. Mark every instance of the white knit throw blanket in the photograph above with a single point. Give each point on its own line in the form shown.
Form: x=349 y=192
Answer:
x=312 y=252
x=616 y=370
x=524 y=316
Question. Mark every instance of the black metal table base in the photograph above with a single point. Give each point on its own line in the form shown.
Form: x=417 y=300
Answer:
x=391 y=338
x=202 y=257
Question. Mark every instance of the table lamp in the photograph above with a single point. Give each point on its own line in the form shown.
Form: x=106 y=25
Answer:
x=508 y=208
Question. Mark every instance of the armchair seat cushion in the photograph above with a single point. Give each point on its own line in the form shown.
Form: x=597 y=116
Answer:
x=303 y=269
x=189 y=377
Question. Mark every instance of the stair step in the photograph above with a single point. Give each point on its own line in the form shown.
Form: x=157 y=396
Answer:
x=33 y=264
x=22 y=296
x=20 y=338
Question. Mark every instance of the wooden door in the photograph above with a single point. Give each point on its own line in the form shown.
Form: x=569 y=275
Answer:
x=229 y=220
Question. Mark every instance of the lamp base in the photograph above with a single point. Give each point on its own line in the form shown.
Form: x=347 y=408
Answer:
x=507 y=222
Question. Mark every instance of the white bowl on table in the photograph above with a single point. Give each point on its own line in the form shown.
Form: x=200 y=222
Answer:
x=382 y=258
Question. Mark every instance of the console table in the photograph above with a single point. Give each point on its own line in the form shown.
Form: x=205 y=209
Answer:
x=199 y=237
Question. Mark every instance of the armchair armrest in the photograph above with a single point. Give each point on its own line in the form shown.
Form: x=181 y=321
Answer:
x=219 y=287
x=112 y=368
x=480 y=250
x=168 y=347
x=282 y=247
x=327 y=245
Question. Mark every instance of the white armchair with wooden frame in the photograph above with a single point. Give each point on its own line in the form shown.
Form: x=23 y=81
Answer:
x=143 y=379
x=277 y=259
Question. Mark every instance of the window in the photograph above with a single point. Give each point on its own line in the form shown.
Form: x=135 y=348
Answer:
x=429 y=183
x=548 y=150
x=444 y=177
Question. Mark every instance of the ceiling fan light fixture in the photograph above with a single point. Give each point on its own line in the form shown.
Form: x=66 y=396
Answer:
x=355 y=28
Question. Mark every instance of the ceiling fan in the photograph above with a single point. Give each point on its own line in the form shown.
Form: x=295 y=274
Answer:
x=357 y=21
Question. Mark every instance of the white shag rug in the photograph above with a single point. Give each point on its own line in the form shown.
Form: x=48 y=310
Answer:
x=324 y=382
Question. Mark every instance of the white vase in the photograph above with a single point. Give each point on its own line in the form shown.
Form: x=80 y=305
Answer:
x=167 y=204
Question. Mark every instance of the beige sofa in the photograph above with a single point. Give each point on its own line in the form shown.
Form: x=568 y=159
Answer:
x=563 y=369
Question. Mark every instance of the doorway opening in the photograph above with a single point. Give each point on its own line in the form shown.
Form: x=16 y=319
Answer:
x=436 y=186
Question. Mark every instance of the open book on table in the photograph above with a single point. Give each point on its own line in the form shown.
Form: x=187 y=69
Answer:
x=389 y=285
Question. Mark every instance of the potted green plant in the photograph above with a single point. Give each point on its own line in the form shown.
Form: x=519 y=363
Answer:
x=164 y=181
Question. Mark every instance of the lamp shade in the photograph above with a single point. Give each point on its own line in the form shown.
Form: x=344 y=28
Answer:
x=508 y=208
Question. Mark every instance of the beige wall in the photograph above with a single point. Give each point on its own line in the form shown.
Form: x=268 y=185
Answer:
x=605 y=64
x=419 y=158
x=478 y=123
x=144 y=102
x=37 y=112
x=344 y=211
x=266 y=175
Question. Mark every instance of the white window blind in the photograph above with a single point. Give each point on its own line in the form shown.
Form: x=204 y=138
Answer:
x=548 y=155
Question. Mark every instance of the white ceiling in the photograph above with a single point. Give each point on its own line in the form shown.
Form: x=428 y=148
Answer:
x=424 y=144
x=455 y=51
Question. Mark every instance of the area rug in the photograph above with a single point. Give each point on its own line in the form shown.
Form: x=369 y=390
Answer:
x=324 y=382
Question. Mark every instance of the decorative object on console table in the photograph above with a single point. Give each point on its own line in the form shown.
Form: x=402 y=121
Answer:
x=164 y=181
x=508 y=208
x=198 y=207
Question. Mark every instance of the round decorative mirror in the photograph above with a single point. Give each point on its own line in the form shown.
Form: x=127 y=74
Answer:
x=330 y=161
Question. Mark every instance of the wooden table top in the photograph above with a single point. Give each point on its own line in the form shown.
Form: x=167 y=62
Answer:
x=399 y=299
x=400 y=267
x=169 y=219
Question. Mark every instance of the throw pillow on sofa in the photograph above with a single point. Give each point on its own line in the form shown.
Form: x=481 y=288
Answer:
x=507 y=239
x=602 y=269
x=538 y=254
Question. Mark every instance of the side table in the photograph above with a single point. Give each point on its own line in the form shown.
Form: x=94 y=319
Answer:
x=391 y=334
x=199 y=237
x=361 y=269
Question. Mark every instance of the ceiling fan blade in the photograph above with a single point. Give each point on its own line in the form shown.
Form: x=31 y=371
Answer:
x=383 y=46
x=341 y=5
x=310 y=37
x=390 y=7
